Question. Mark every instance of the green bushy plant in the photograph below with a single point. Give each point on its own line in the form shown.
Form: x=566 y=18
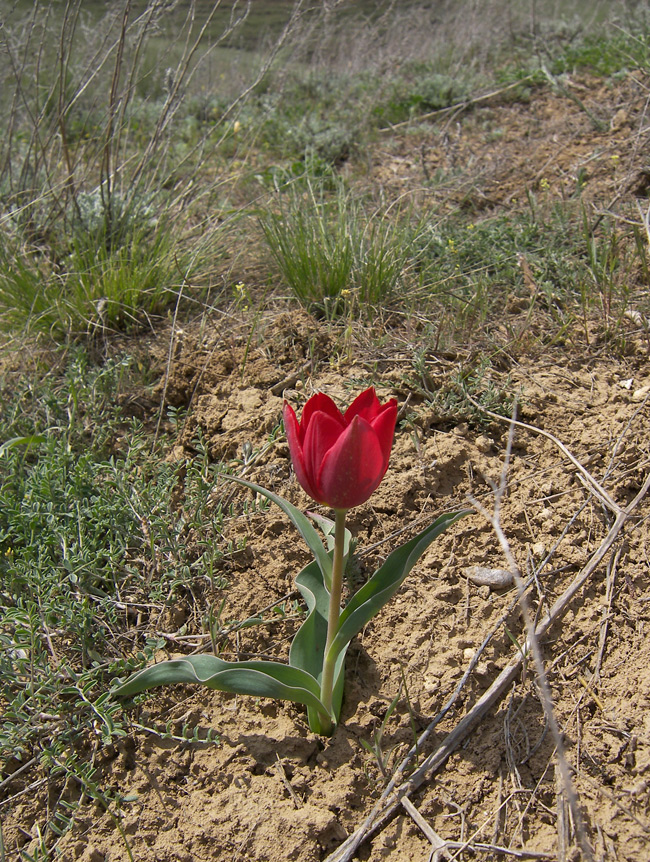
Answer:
x=409 y=97
x=336 y=256
x=83 y=521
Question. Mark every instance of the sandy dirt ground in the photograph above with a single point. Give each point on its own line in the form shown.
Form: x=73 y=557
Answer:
x=431 y=663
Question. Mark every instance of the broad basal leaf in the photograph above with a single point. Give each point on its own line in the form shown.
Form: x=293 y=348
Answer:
x=383 y=585
x=257 y=678
x=308 y=647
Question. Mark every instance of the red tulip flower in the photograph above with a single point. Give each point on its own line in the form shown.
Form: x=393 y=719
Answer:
x=340 y=458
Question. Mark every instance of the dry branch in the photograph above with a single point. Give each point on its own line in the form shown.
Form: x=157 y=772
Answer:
x=542 y=679
x=386 y=808
x=439 y=846
x=585 y=476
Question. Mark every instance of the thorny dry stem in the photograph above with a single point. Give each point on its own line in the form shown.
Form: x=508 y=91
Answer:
x=533 y=644
x=390 y=801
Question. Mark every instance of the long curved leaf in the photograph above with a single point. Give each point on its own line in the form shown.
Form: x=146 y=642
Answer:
x=31 y=440
x=383 y=585
x=301 y=523
x=308 y=646
x=258 y=678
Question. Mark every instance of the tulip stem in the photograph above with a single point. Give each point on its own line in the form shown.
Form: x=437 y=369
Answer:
x=327 y=678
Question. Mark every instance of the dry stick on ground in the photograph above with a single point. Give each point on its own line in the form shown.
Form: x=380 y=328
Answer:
x=414 y=751
x=439 y=846
x=585 y=476
x=562 y=824
x=297 y=801
x=533 y=643
x=607 y=613
x=385 y=809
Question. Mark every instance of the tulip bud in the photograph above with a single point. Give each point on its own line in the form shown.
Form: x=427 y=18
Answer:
x=340 y=459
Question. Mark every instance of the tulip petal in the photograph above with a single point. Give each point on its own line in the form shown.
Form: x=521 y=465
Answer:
x=340 y=459
x=321 y=435
x=384 y=427
x=319 y=403
x=366 y=406
x=292 y=430
x=353 y=468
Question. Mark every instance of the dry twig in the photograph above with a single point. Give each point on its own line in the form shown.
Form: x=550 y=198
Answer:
x=439 y=846
x=390 y=800
x=297 y=801
x=533 y=644
x=585 y=476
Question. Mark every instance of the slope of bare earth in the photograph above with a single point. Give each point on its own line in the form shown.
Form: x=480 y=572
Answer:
x=267 y=788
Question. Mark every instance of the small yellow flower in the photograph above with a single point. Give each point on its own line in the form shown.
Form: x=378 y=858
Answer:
x=544 y=184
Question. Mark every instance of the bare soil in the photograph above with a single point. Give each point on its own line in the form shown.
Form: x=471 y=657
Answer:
x=267 y=788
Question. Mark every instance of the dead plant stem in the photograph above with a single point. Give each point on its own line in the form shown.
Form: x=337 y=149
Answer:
x=385 y=808
x=170 y=357
x=585 y=475
x=533 y=644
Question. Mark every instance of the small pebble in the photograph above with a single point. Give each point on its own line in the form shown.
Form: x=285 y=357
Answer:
x=495 y=579
x=484 y=444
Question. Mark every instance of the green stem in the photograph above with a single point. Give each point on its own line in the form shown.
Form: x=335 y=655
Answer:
x=327 y=679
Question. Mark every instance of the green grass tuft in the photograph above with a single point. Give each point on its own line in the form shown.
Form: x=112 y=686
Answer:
x=337 y=257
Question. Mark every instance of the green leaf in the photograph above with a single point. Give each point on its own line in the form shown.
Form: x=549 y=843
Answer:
x=301 y=523
x=258 y=678
x=308 y=647
x=21 y=441
x=327 y=526
x=383 y=585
